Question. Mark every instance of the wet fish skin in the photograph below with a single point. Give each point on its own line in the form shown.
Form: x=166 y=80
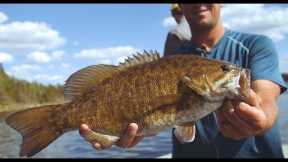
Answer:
x=157 y=94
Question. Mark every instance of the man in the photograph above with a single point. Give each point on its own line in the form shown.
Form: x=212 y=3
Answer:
x=240 y=129
x=180 y=34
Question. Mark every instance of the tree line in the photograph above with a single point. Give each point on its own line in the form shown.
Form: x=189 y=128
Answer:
x=17 y=91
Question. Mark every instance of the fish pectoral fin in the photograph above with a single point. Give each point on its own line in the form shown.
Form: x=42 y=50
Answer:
x=185 y=133
x=106 y=141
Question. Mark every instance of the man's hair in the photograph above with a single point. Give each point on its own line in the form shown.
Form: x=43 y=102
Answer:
x=175 y=8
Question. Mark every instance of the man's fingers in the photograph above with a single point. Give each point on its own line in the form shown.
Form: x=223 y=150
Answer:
x=230 y=124
x=252 y=115
x=97 y=146
x=84 y=129
x=229 y=131
x=128 y=137
x=253 y=99
x=247 y=112
x=238 y=123
x=227 y=105
x=220 y=116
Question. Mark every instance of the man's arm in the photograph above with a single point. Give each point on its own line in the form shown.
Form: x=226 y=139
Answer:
x=258 y=113
x=255 y=116
x=268 y=92
x=172 y=43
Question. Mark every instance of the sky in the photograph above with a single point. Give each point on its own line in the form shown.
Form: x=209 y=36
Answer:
x=48 y=42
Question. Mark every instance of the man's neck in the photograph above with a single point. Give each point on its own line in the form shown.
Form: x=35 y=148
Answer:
x=207 y=39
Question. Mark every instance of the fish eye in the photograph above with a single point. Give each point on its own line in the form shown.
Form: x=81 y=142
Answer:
x=225 y=68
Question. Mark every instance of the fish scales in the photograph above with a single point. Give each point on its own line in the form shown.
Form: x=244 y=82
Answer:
x=150 y=73
x=156 y=94
x=123 y=108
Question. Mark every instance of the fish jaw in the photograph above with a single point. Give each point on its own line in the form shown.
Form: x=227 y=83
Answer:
x=245 y=83
x=240 y=87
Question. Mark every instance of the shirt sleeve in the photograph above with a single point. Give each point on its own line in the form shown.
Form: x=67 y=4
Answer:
x=172 y=44
x=264 y=63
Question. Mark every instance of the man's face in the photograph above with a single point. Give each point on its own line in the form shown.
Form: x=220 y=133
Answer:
x=201 y=16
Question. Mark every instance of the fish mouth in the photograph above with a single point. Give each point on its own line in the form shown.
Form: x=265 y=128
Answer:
x=244 y=83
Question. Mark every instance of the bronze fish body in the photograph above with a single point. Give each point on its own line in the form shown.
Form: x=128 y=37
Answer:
x=156 y=93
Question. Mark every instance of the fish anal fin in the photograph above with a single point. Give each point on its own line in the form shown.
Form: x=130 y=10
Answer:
x=140 y=58
x=185 y=132
x=106 y=141
x=83 y=80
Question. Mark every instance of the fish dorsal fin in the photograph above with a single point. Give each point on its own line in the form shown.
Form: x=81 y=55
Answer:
x=83 y=80
x=140 y=58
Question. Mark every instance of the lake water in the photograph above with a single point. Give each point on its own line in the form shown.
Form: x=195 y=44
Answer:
x=71 y=145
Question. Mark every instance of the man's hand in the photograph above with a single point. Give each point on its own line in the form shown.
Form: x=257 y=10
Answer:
x=239 y=120
x=127 y=140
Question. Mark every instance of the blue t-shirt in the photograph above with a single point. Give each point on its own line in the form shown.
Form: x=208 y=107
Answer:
x=258 y=53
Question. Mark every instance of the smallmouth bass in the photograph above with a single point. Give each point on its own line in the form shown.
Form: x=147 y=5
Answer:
x=156 y=93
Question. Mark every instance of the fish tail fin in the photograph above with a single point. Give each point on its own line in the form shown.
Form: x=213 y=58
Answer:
x=37 y=127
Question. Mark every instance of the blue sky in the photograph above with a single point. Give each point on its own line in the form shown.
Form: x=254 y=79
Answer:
x=48 y=42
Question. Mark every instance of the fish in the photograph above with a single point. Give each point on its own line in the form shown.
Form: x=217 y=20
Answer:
x=157 y=93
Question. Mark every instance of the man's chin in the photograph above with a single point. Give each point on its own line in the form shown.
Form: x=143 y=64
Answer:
x=202 y=27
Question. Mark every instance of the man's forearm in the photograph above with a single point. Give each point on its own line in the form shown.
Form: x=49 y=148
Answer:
x=271 y=111
x=268 y=93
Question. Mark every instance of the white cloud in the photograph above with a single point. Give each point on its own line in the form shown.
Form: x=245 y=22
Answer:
x=28 y=36
x=24 y=71
x=169 y=22
x=38 y=41
x=121 y=58
x=44 y=57
x=33 y=72
x=269 y=20
x=65 y=65
x=105 y=61
x=48 y=77
x=57 y=55
x=39 y=57
x=5 y=57
x=25 y=68
x=111 y=55
x=3 y=17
